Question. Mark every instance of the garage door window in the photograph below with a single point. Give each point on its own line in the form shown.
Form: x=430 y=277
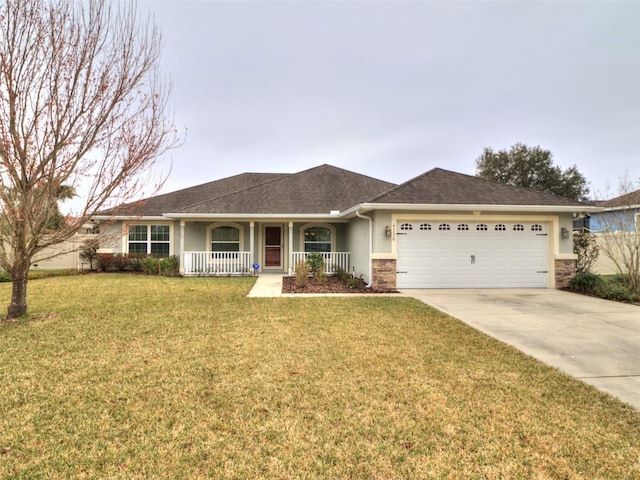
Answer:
x=425 y=226
x=481 y=227
x=518 y=228
x=536 y=228
x=500 y=227
x=444 y=226
x=406 y=226
x=463 y=227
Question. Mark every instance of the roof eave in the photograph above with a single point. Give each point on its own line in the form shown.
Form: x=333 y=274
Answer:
x=128 y=217
x=196 y=216
x=367 y=207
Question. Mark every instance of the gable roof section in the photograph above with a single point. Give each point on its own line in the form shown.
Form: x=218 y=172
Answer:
x=318 y=190
x=173 y=201
x=631 y=199
x=443 y=187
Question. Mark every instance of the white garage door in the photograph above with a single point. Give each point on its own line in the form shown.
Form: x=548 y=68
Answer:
x=453 y=254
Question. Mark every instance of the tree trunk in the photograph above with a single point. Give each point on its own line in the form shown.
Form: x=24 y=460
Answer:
x=18 y=306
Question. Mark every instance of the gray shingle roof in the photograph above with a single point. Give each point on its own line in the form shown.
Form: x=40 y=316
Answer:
x=174 y=201
x=631 y=198
x=443 y=187
x=325 y=188
x=318 y=190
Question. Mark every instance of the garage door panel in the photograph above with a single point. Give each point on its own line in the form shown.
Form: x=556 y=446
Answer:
x=472 y=255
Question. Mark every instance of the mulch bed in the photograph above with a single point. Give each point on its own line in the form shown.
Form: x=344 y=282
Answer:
x=333 y=285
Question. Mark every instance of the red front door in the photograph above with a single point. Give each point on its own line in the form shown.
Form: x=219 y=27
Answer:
x=273 y=247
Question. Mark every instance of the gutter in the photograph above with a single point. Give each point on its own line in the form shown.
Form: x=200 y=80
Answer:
x=366 y=207
x=359 y=215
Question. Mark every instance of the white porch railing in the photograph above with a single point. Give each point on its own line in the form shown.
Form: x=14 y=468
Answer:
x=217 y=263
x=332 y=260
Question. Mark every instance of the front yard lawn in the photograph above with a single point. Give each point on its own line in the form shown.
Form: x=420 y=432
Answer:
x=126 y=376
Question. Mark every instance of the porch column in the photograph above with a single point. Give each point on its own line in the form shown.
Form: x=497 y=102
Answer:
x=290 y=248
x=181 y=244
x=252 y=241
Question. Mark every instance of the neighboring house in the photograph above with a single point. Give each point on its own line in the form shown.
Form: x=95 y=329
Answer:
x=617 y=220
x=63 y=256
x=439 y=230
x=620 y=214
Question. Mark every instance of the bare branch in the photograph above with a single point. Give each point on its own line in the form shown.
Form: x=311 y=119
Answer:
x=83 y=105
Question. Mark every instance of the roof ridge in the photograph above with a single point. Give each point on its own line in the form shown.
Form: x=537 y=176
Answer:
x=400 y=185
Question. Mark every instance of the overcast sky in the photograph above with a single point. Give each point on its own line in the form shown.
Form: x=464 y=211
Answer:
x=392 y=89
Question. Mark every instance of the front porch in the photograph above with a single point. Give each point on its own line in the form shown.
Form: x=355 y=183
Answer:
x=241 y=263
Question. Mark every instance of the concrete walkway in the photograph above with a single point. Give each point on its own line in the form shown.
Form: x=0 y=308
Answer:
x=267 y=285
x=594 y=340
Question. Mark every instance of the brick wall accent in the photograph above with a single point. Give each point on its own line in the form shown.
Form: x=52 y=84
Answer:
x=565 y=271
x=384 y=274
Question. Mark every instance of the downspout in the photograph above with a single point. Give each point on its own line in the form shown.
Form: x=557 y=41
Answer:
x=359 y=215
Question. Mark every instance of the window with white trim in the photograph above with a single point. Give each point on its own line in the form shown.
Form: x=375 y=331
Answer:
x=149 y=240
x=225 y=238
x=317 y=238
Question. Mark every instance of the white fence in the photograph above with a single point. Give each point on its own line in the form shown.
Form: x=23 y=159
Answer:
x=332 y=260
x=217 y=263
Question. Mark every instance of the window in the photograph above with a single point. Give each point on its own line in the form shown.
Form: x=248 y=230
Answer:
x=406 y=226
x=500 y=227
x=481 y=227
x=444 y=226
x=518 y=227
x=149 y=240
x=463 y=227
x=425 y=226
x=536 y=228
x=225 y=238
x=317 y=239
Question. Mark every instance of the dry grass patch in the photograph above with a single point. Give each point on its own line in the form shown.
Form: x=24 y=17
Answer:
x=120 y=376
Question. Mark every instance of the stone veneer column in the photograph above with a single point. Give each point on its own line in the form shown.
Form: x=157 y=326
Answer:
x=384 y=274
x=565 y=271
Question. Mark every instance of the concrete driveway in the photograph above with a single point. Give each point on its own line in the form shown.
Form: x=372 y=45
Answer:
x=595 y=340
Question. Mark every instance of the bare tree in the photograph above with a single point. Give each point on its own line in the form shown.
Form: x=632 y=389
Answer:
x=82 y=106
x=619 y=231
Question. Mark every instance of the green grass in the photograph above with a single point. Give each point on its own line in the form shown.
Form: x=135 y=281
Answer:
x=135 y=377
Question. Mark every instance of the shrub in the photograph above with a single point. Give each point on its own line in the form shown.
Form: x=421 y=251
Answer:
x=105 y=262
x=108 y=262
x=586 y=247
x=341 y=274
x=150 y=266
x=89 y=251
x=585 y=283
x=170 y=266
x=319 y=275
x=5 y=276
x=616 y=291
x=315 y=260
x=352 y=282
x=302 y=271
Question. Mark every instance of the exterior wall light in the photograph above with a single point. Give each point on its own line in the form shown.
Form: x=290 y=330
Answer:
x=564 y=233
x=387 y=231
